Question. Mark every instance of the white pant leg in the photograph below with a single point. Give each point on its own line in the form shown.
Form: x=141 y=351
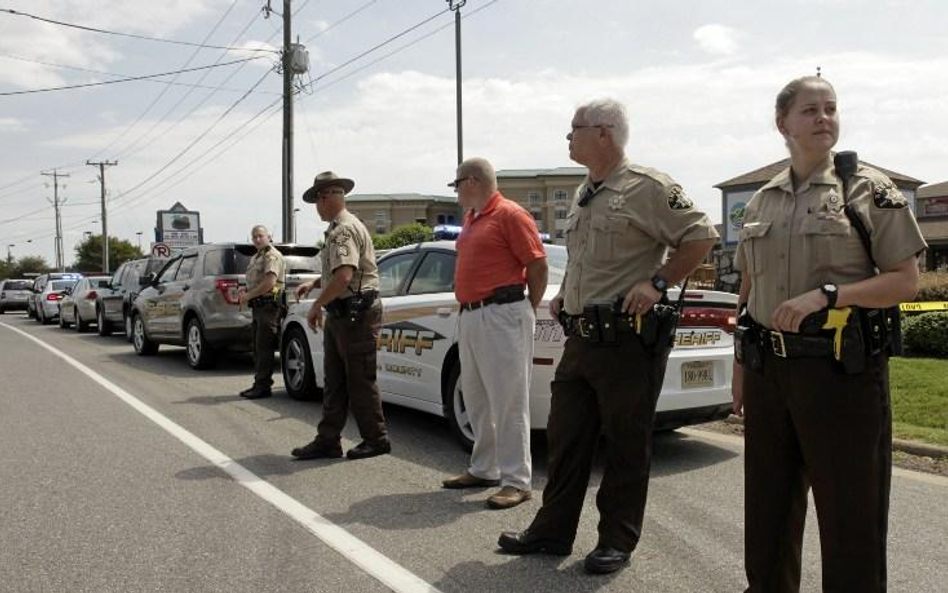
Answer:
x=483 y=457
x=504 y=352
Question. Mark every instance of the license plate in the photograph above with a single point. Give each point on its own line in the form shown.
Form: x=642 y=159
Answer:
x=699 y=373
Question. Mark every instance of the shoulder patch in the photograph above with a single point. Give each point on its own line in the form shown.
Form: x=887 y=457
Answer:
x=677 y=200
x=341 y=242
x=887 y=196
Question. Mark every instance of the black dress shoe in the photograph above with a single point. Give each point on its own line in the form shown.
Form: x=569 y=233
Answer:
x=527 y=543
x=366 y=449
x=604 y=560
x=317 y=450
x=256 y=393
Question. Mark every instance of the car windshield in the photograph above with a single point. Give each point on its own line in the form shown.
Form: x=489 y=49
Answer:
x=556 y=260
x=61 y=284
x=99 y=283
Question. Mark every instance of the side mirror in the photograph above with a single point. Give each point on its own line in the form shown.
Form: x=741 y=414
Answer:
x=147 y=280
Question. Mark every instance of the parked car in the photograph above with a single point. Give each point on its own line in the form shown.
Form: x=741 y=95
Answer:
x=77 y=307
x=419 y=367
x=14 y=294
x=113 y=307
x=192 y=300
x=48 y=291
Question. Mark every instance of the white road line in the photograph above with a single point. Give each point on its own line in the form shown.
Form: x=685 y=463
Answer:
x=736 y=441
x=392 y=575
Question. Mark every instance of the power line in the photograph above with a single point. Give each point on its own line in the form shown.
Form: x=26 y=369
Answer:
x=129 y=79
x=130 y=35
x=399 y=49
x=116 y=75
x=340 y=21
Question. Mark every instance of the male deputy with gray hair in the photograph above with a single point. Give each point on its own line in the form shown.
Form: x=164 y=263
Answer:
x=265 y=273
x=623 y=220
x=350 y=294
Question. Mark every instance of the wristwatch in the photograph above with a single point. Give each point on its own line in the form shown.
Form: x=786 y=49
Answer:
x=832 y=292
x=660 y=284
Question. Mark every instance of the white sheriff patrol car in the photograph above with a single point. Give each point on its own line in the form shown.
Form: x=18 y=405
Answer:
x=418 y=364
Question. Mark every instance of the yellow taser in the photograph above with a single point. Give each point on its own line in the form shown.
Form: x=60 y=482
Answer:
x=836 y=320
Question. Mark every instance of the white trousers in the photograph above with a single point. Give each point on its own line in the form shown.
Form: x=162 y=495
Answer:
x=496 y=349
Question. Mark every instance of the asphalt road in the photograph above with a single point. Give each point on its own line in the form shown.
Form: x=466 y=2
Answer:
x=97 y=495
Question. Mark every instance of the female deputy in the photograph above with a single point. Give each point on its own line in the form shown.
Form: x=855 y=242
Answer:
x=812 y=420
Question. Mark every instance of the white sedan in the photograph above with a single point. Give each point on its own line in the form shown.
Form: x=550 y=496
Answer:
x=418 y=364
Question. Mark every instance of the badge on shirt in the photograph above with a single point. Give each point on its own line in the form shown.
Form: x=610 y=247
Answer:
x=677 y=200
x=617 y=202
x=888 y=196
x=833 y=202
x=341 y=243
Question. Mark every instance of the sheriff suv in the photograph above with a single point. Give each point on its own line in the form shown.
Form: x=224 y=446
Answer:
x=419 y=365
x=192 y=300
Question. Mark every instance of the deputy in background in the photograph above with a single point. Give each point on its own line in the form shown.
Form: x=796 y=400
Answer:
x=816 y=395
x=499 y=256
x=622 y=223
x=265 y=279
x=350 y=295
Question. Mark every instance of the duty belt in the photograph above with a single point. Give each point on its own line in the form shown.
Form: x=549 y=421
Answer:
x=582 y=326
x=262 y=301
x=792 y=345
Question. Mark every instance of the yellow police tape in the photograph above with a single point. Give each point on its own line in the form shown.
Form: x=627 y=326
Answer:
x=928 y=306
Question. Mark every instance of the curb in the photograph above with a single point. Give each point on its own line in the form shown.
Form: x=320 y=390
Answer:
x=910 y=447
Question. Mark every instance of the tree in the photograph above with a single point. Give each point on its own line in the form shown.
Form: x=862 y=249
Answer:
x=89 y=253
x=25 y=265
x=406 y=234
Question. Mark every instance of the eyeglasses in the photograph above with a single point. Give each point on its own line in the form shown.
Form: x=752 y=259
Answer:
x=574 y=128
x=331 y=191
x=457 y=182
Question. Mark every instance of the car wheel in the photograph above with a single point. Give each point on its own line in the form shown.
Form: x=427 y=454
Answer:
x=455 y=410
x=127 y=319
x=105 y=329
x=143 y=346
x=81 y=326
x=62 y=322
x=200 y=354
x=299 y=376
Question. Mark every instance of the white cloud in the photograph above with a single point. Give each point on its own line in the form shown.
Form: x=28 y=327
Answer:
x=717 y=39
x=12 y=124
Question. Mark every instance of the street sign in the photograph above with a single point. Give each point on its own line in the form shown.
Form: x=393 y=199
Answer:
x=160 y=250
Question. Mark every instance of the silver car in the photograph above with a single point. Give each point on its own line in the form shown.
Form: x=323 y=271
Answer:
x=77 y=307
x=192 y=301
x=48 y=291
x=14 y=294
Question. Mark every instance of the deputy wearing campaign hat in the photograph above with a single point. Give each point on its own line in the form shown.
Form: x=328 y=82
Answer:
x=349 y=293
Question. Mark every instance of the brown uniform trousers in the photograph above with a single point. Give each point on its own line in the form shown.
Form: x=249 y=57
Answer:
x=350 y=369
x=266 y=331
x=610 y=390
x=808 y=424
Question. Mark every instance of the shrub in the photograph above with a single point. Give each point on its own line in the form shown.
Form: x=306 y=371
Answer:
x=926 y=334
x=932 y=286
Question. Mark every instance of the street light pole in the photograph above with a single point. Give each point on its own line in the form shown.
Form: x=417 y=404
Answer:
x=139 y=233
x=456 y=5
x=295 y=210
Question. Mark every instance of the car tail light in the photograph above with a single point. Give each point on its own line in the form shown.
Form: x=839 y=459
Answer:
x=54 y=297
x=91 y=296
x=228 y=290
x=725 y=319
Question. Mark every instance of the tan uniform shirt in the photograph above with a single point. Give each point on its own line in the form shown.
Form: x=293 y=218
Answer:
x=622 y=235
x=262 y=263
x=348 y=243
x=796 y=240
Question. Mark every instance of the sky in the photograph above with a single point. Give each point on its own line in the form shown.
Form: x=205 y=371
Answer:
x=698 y=78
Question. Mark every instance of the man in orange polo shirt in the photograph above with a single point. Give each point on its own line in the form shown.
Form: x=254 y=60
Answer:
x=499 y=280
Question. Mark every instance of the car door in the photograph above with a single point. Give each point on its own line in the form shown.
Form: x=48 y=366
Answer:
x=394 y=272
x=176 y=292
x=158 y=314
x=419 y=328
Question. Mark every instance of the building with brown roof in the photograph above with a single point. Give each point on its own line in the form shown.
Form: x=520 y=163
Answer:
x=382 y=212
x=545 y=193
x=931 y=210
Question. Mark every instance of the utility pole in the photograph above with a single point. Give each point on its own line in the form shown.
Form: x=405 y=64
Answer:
x=456 y=5
x=105 y=225
x=60 y=259
x=289 y=236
